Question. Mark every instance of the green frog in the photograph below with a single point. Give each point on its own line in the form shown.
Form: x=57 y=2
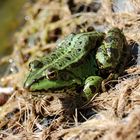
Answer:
x=79 y=60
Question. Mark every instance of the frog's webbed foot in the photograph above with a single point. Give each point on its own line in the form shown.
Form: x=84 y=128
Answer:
x=110 y=77
x=92 y=85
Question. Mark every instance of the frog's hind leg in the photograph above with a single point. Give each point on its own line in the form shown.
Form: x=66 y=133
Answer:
x=119 y=70
x=92 y=85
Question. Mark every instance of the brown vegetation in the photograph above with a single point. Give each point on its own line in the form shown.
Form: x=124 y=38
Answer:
x=111 y=115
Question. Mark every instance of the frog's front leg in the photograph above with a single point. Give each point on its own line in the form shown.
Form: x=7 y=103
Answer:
x=92 y=85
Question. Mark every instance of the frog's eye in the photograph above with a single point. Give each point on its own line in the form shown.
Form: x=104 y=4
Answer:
x=52 y=75
x=35 y=65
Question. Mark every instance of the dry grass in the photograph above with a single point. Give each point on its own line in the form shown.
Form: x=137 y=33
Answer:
x=112 y=115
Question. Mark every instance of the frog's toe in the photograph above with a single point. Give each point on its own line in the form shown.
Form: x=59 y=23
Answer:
x=104 y=85
x=92 y=85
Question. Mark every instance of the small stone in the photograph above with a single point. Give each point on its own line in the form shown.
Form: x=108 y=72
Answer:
x=3 y=98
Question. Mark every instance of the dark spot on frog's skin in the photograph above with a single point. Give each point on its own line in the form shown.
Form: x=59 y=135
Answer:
x=60 y=65
x=92 y=79
x=35 y=64
x=62 y=53
x=68 y=58
x=80 y=42
x=69 y=43
x=79 y=50
x=53 y=54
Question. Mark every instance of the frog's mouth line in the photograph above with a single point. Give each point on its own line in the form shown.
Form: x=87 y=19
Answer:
x=28 y=83
x=46 y=84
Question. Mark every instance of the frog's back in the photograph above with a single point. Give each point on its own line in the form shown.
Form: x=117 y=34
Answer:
x=72 y=49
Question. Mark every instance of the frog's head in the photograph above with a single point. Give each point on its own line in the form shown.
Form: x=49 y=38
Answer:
x=36 y=73
x=41 y=77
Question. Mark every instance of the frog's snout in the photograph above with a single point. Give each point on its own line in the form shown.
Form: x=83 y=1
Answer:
x=28 y=82
x=26 y=85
